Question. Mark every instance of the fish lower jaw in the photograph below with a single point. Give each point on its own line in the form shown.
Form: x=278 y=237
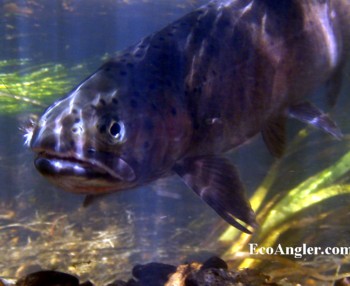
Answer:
x=52 y=165
x=74 y=175
x=83 y=176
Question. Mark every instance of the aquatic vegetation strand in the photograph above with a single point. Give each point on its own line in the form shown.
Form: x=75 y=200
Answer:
x=23 y=85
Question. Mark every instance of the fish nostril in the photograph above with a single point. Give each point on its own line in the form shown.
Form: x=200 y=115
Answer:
x=43 y=142
x=91 y=151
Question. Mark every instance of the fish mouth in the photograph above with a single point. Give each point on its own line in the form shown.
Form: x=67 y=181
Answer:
x=58 y=165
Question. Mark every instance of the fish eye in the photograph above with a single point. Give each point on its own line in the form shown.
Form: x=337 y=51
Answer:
x=116 y=130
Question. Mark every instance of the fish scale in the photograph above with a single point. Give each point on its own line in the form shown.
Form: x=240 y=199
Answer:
x=180 y=98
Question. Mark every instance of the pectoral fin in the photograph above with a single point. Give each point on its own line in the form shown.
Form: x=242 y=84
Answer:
x=308 y=113
x=217 y=182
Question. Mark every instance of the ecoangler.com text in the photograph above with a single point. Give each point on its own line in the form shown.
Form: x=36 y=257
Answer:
x=297 y=251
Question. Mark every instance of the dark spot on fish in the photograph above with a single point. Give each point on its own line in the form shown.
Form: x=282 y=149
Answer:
x=133 y=103
x=154 y=107
x=197 y=90
x=74 y=129
x=128 y=54
x=102 y=128
x=161 y=39
x=173 y=111
x=212 y=49
x=76 y=120
x=102 y=102
x=139 y=55
x=146 y=145
x=196 y=126
x=155 y=47
x=152 y=86
x=170 y=34
x=155 y=66
x=168 y=82
x=72 y=143
x=164 y=58
x=136 y=94
x=123 y=73
x=142 y=46
x=115 y=101
x=160 y=82
x=74 y=111
x=148 y=125
x=93 y=106
x=130 y=65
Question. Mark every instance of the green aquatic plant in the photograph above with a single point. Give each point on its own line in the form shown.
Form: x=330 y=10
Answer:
x=292 y=210
x=24 y=85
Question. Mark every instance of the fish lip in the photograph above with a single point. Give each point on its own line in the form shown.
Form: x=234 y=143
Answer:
x=89 y=165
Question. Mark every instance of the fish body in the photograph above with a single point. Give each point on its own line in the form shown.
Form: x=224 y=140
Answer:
x=181 y=97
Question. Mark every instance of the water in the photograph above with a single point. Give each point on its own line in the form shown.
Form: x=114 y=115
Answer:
x=42 y=227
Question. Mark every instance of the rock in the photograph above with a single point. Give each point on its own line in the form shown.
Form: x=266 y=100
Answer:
x=48 y=278
x=342 y=282
x=182 y=272
x=222 y=277
x=213 y=272
x=214 y=262
x=155 y=274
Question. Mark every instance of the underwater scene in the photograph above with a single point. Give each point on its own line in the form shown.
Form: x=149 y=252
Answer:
x=174 y=142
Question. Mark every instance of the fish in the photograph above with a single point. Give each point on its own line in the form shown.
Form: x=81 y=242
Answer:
x=181 y=98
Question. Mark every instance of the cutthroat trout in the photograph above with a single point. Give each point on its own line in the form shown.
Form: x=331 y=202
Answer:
x=180 y=98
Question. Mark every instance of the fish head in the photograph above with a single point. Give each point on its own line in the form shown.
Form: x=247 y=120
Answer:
x=104 y=137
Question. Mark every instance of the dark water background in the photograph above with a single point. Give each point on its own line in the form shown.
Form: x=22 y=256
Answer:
x=44 y=227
